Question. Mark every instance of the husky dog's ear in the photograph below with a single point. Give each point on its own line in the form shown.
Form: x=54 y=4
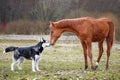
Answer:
x=41 y=40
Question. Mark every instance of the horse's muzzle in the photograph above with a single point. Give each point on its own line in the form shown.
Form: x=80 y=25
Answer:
x=52 y=44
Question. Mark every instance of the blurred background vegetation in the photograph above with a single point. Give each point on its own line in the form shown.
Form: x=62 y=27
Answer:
x=33 y=16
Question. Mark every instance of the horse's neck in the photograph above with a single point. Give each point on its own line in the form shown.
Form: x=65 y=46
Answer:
x=65 y=24
x=68 y=26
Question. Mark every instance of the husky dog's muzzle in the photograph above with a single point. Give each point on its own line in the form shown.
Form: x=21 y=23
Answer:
x=45 y=45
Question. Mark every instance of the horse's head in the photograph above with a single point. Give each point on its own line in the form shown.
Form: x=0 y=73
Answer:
x=55 y=32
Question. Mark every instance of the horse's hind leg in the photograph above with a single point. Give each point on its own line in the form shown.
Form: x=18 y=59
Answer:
x=109 y=46
x=109 y=41
x=100 y=45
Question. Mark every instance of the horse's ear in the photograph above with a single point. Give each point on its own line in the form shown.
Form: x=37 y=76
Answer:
x=52 y=23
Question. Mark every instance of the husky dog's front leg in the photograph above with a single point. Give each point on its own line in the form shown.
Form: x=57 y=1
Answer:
x=37 y=64
x=33 y=65
x=37 y=59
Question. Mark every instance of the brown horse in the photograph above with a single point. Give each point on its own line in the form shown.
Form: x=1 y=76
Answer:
x=88 y=30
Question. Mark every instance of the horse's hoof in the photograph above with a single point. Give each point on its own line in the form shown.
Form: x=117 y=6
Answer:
x=95 y=67
x=106 y=69
x=86 y=67
x=92 y=68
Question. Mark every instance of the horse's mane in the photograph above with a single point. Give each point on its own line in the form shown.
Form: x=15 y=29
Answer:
x=69 y=22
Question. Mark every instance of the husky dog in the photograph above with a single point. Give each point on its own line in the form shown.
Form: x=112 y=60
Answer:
x=31 y=53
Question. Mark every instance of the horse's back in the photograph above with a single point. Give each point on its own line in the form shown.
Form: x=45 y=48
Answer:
x=88 y=26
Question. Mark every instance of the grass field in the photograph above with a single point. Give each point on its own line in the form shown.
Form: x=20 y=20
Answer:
x=64 y=61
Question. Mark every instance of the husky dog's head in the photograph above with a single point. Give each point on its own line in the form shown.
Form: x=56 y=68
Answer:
x=44 y=43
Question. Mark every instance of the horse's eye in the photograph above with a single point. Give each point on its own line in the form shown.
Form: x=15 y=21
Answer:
x=51 y=32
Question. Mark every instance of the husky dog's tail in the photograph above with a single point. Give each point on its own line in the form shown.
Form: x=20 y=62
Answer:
x=9 y=49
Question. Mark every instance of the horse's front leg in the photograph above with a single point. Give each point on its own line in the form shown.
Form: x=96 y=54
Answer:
x=89 y=48
x=85 y=54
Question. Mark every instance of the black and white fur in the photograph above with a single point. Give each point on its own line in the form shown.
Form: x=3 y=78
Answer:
x=31 y=53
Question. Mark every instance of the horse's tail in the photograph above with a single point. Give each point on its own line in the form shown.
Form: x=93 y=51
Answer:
x=109 y=40
x=9 y=49
x=110 y=36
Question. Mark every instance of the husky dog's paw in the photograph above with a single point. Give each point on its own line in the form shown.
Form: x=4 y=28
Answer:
x=38 y=70
x=34 y=70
